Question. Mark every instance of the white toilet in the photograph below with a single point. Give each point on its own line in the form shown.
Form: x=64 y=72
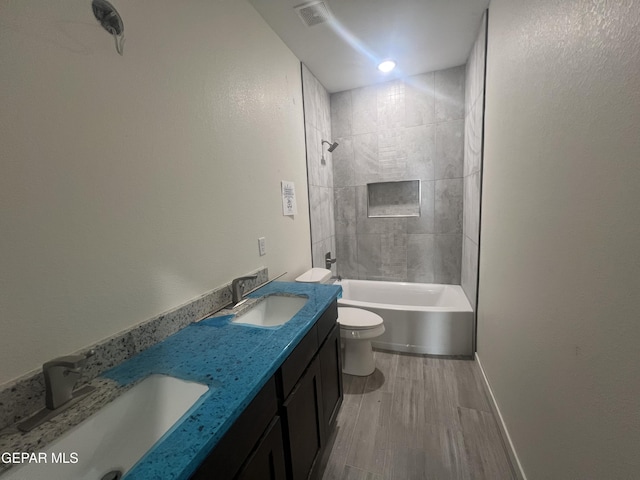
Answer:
x=357 y=328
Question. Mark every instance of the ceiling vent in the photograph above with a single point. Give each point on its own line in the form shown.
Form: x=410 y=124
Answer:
x=313 y=13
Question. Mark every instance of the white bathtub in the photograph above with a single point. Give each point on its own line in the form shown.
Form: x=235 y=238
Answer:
x=418 y=317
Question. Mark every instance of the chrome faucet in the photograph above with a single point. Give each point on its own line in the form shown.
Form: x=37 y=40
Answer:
x=60 y=377
x=328 y=260
x=237 y=287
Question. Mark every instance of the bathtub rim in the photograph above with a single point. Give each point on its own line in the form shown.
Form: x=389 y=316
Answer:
x=464 y=306
x=387 y=306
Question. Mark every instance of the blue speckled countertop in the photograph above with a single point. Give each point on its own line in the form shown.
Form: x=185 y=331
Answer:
x=234 y=360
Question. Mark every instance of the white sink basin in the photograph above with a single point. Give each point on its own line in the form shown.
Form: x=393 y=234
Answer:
x=118 y=435
x=272 y=311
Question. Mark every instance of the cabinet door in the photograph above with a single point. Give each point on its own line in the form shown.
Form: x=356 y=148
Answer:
x=331 y=374
x=224 y=462
x=267 y=460
x=303 y=416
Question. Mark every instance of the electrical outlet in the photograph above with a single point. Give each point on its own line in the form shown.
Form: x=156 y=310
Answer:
x=262 y=246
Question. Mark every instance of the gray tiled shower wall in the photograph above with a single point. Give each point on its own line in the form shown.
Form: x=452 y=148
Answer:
x=474 y=108
x=317 y=123
x=426 y=127
x=410 y=129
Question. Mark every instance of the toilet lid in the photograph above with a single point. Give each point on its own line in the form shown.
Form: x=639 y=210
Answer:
x=357 y=318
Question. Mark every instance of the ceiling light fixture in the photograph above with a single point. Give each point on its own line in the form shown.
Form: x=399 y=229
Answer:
x=386 y=66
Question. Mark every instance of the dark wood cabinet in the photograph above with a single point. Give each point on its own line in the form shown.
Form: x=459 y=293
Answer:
x=331 y=375
x=304 y=423
x=267 y=460
x=224 y=462
x=283 y=432
x=310 y=387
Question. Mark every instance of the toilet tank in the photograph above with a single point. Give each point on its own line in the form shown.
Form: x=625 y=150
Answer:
x=315 y=275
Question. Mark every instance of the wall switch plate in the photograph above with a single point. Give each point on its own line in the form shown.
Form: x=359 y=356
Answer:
x=262 y=246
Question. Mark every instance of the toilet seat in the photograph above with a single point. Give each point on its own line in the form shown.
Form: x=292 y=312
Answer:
x=357 y=318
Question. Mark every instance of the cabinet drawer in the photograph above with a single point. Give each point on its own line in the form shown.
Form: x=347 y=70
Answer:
x=297 y=362
x=327 y=321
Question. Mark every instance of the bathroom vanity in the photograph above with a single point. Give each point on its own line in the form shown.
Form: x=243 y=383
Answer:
x=271 y=396
x=282 y=433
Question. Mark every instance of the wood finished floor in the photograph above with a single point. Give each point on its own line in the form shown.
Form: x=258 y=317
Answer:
x=417 y=418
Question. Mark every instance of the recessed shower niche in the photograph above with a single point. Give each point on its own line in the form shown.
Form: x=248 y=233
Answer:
x=393 y=199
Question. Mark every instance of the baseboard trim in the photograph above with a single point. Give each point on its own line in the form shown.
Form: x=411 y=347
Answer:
x=511 y=451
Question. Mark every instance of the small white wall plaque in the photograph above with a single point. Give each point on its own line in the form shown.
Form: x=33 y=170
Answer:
x=289 y=206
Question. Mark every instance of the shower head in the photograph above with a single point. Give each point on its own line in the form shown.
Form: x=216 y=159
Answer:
x=332 y=146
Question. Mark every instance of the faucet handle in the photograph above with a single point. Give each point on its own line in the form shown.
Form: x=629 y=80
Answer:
x=328 y=261
x=246 y=277
x=60 y=377
x=237 y=287
x=235 y=284
x=69 y=361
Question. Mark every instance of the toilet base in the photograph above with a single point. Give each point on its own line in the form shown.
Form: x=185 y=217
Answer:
x=358 y=358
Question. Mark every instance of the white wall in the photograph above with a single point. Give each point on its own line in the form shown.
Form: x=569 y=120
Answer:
x=133 y=184
x=559 y=307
